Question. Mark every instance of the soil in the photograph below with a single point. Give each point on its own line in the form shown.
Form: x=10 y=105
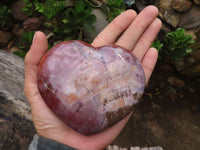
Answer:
x=167 y=116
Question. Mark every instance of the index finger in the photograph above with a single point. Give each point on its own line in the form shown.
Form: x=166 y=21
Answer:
x=114 y=29
x=131 y=36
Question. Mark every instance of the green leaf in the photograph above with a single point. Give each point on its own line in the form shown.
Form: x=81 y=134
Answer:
x=90 y=19
x=27 y=37
x=39 y=7
x=113 y=8
x=116 y=3
x=188 y=50
x=28 y=8
x=88 y=28
x=25 y=1
x=20 y=53
x=4 y=11
x=80 y=6
x=68 y=30
x=65 y=21
x=158 y=45
x=105 y=9
x=50 y=9
x=177 y=43
x=70 y=36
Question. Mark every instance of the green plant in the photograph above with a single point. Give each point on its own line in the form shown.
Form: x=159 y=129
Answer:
x=175 y=45
x=28 y=7
x=50 y=9
x=25 y=43
x=21 y=54
x=66 y=23
x=26 y=40
x=113 y=8
x=4 y=11
x=158 y=45
x=76 y=19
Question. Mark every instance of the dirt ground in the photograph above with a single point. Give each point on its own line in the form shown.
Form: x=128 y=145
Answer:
x=168 y=116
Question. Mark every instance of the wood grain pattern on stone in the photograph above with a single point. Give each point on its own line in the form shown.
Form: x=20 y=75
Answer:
x=90 y=88
x=16 y=128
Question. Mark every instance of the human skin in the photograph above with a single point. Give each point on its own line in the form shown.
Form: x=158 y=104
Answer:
x=129 y=30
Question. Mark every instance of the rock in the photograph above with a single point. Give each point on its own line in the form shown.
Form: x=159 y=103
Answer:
x=17 y=10
x=129 y=3
x=191 y=18
x=167 y=13
x=197 y=33
x=197 y=68
x=12 y=82
x=191 y=32
x=18 y=30
x=197 y=2
x=31 y=24
x=100 y=23
x=114 y=105
x=140 y=5
x=182 y=65
x=16 y=127
x=196 y=54
x=4 y=37
x=171 y=18
x=69 y=3
x=177 y=13
x=181 y=5
x=176 y=82
x=97 y=3
x=188 y=66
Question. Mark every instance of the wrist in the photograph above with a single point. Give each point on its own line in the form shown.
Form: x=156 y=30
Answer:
x=42 y=143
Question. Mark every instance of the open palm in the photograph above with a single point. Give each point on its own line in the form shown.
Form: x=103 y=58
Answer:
x=129 y=30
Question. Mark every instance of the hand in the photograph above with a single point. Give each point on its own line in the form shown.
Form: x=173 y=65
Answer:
x=137 y=33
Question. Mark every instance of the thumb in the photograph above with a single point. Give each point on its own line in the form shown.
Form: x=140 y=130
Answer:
x=32 y=60
x=37 y=50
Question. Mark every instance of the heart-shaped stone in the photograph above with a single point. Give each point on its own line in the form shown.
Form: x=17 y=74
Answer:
x=88 y=88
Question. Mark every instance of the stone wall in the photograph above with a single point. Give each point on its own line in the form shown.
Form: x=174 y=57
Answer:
x=180 y=14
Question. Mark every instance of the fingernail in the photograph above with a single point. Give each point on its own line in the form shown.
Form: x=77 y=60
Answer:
x=34 y=38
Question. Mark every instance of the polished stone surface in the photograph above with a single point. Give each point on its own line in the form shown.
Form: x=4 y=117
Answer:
x=89 y=88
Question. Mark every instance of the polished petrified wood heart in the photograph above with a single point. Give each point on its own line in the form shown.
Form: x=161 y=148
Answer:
x=89 y=88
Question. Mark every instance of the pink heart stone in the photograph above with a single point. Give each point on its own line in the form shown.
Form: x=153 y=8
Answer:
x=88 y=88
